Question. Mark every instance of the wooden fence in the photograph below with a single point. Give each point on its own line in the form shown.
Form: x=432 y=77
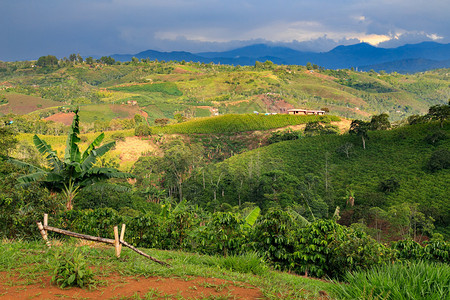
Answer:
x=117 y=242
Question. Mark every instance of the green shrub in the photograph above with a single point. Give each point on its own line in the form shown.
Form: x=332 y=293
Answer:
x=71 y=269
x=285 y=135
x=434 y=250
x=143 y=130
x=355 y=252
x=314 y=250
x=274 y=238
x=440 y=159
x=223 y=234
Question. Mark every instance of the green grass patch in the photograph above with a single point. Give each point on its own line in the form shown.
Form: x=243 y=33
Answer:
x=202 y=112
x=419 y=280
x=168 y=88
x=99 y=112
x=239 y=270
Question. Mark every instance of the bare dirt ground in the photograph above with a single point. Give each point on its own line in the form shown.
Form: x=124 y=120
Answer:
x=119 y=287
x=65 y=118
x=23 y=104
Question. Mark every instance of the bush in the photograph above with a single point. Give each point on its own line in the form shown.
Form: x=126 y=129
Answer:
x=274 y=238
x=71 y=269
x=223 y=234
x=356 y=252
x=314 y=250
x=440 y=159
x=434 y=251
x=436 y=137
x=285 y=135
x=143 y=130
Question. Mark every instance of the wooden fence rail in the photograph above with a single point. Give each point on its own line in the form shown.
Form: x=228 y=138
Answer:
x=117 y=242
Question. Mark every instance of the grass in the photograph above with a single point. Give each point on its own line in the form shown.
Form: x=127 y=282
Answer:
x=419 y=280
x=31 y=259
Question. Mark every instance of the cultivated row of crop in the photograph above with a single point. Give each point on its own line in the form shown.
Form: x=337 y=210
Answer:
x=240 y=123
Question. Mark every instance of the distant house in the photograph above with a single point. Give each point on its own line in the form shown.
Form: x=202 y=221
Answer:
x=297 y=111
x=132 y=102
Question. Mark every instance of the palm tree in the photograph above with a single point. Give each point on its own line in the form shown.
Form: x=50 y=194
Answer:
x=76 y=171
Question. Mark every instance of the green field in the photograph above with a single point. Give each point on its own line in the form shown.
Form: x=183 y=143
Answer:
x=240 y=123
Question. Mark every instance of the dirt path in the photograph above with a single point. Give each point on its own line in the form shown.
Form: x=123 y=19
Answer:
x=119 y=287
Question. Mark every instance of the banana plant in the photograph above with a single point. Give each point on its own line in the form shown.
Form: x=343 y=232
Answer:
x=73 y=173
x=251 y=217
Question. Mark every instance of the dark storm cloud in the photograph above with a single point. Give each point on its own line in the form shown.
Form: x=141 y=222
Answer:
x=31 y=28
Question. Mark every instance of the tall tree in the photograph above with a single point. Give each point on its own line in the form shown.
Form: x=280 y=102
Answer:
x=360 y=128
x=75 y=171
x=380 y=122
x=439 y=112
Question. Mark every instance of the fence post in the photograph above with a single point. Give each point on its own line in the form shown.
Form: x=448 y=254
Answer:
x=116 y=241
x=122 y=235
x=43 y=233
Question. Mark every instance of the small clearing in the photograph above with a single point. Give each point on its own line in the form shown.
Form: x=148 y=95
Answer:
x=133 y=148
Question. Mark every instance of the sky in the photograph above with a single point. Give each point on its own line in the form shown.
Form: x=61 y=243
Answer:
x=33 y=28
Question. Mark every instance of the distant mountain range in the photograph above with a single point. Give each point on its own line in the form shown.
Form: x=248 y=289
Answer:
x=405 y=59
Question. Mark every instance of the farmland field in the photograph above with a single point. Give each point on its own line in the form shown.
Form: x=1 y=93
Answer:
x=23 y=104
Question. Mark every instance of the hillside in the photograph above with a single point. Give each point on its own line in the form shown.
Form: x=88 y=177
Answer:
x=399 y=155
x=158 y=90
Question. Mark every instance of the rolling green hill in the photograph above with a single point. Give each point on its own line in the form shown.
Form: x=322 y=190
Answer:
x=163 y=89
x=400 y=155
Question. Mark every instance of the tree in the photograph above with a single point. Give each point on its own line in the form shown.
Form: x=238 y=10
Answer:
x=439 y=112
x=73 y=57
x=315 y=128
x=345 y=149
x=178 y=164
x=380 y=122
x=89 y=60
x=107 y=60
x=47 y=61
x=75 y=171
x=360 y=128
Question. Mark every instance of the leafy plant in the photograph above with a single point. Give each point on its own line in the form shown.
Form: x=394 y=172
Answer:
x=76 y=171
x=71 y=269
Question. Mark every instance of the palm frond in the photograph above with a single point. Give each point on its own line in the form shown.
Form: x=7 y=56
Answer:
x=50 y=155
x=94 y=154
x=72 y=151
x=25 y=166
x=30 y=178
x=252 y=216
x=298 y=217
x=110 y=173
x=92 y=146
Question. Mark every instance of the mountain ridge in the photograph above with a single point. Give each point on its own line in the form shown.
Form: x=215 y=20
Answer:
x=358 y=56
